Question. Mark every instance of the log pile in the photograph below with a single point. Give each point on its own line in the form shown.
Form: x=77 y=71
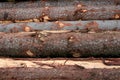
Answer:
x=60 y=40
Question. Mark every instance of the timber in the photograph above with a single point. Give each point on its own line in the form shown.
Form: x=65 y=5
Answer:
x=83 y=26
x=60 y=40
x=59 y=68
x=60 y=44
x=61 y=13
x=53 y=11
x=43 y=3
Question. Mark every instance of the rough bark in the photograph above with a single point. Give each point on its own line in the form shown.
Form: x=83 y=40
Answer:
x=62 y=73
x=60 y=69
x=59 y=10
x=60 y=44
x=83 y=26
x=43 y=3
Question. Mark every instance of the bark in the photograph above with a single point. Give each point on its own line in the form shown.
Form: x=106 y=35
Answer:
x=83 y=26
x=60 y=69
x=43 y=3
x=59 y=10
x=63 y=73
x=60 y=44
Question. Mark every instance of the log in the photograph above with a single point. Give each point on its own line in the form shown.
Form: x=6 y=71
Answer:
x=43 y=3
x=60 y=69
x=61 y=13
x=83 y=26
x=62 y=43
x=55 y=10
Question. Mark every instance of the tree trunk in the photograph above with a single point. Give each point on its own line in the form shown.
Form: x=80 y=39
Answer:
x=60 y=44
x=83 y=26
x=59 y=3
x=60 y=69
x=62 y=10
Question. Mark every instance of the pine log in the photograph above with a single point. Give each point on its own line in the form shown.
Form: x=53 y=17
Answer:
x=57 y=69
x=63 y=43
x=59 y=10
x=61 y=13
x=43 y=3
x=83 y=26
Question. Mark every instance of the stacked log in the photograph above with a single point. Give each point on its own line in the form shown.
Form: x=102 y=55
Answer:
x=61 y=10
x=83 y=26
x=62 y=43
x=35 y=34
